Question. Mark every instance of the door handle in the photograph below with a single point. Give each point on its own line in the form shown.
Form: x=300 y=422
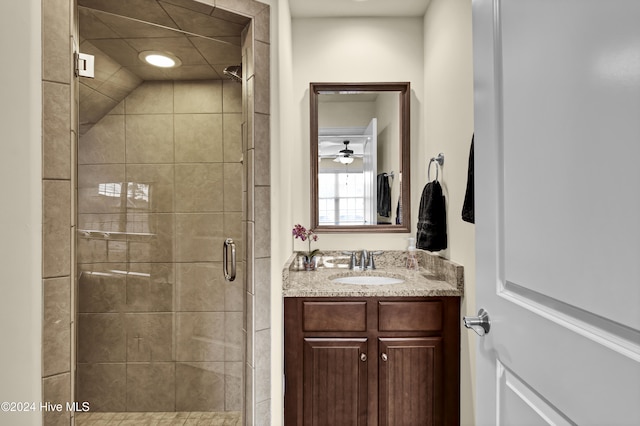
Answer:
x=229 y=244
x=480 y=324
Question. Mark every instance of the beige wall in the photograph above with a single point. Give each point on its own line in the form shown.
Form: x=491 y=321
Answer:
x=435 y=55
x=354 y=50
x=21 y=214
x=448 y=121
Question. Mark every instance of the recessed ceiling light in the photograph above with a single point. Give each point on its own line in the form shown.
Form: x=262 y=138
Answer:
x=160 y=59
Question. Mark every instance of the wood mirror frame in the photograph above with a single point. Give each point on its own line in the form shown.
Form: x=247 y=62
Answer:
x=403 y=175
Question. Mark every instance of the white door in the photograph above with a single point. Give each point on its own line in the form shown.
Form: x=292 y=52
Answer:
x=557 y=157
x=370 y=170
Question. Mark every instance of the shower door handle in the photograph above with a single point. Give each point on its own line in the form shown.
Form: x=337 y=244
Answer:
x=229 y=244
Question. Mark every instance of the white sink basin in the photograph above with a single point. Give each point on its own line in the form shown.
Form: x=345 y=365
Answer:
x=367 y=280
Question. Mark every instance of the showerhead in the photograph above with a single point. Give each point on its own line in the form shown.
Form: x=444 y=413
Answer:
x=234 y=72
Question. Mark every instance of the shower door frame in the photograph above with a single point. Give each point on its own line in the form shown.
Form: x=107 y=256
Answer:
x=59 y=203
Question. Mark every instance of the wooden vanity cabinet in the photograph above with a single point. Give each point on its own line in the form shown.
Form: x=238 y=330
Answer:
x=372 y=361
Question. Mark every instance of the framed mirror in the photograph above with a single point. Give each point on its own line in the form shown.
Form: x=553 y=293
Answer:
x=360 y=145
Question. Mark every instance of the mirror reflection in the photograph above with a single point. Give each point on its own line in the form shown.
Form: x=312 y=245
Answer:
x=359 y=135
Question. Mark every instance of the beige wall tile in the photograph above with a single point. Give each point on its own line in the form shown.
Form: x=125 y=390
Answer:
x=158 y=247
x=198 y=138
x=118 y=109
x=200 y=386
x=247 y=51
x=103 y=291
x=234 y=291
x=195 y=6
x=103 y=386
x=232 y=137
x=231 y=96
x=261 y=24
x=200 y=336
x=94 y=246
x=101 y=338
x=199 y=187
x=151 y=387
x=104 y=142
x=150 y=287
x=250 y=173
x=233 y=183
x=92 y=250
x=149 y=337
x=263 y=412
x=250 y=329
x=57 y=390
x=233 y=335
x=263 y=365
x=233 y=228
x=250 y=256
x=95 y=194
x=261 y=86
x=198 y=96
x=250 y=109
x=149 y=138
x=159 y=178
x=262 y=156
x=56 y=26
x=263 y=293
x=250 y=395
x=120 y=84
x=201 y=287
x=95 y=105
x=56 y=125
x=233 y=386
x=56 y=326
x=221 y=55
x=56 y=232
x=246 y=7
x=263 y=221
x=199 y=237
x=151 y=97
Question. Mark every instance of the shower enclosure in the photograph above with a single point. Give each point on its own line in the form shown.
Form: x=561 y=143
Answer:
x=161 y=185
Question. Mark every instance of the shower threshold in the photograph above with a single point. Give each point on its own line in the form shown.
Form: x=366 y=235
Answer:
x=226 y=418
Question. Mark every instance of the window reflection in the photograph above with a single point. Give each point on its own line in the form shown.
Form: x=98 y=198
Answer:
x=341 y=198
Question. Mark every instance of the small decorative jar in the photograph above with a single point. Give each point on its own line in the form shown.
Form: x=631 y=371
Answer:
x=310 y=263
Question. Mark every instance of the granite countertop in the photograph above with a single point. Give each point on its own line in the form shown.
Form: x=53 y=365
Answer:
x=435 y=276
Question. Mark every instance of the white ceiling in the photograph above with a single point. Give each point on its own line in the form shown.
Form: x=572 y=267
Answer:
x=357 y=8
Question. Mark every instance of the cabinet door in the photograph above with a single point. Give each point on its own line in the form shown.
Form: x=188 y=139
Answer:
x=335 y=381
x=410 y=381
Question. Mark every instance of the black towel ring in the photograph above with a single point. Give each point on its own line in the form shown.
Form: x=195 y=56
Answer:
x=439 y=162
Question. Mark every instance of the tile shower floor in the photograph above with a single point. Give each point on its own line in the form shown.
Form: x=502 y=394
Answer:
x=229 y=418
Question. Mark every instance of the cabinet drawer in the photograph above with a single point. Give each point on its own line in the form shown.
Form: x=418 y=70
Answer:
x=410 y=316
x=334 y=316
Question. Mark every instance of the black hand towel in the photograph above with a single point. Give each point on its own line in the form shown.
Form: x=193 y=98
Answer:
x=468 y=207
x=384 y=195
x=432 y=219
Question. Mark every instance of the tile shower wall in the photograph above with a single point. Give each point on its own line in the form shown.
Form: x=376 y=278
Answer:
x=160 y=186
x=59 y=136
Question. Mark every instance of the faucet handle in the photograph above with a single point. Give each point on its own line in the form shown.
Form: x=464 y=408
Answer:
x=372 y=263
x=352 y=259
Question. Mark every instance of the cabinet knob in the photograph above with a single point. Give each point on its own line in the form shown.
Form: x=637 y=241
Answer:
x=363 y=357
x=384 y=357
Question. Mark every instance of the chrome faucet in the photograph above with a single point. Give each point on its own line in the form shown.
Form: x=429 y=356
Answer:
x=364 y=259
